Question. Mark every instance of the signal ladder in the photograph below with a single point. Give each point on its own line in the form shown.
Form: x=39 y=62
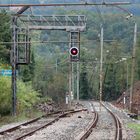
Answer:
x=75 y=45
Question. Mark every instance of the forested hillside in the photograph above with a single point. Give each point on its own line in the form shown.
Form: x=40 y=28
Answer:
x=52 y=58
x=47 y=74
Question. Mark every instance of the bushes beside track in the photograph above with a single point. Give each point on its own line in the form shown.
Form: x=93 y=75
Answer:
x=26 y=96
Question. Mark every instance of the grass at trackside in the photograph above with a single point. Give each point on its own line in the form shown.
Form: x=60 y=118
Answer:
x=136 y=128
x=19 y=118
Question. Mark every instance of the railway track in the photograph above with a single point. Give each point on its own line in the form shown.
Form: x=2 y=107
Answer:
x=27 y=123
x=88 y=130
x=116 y=130
x=118 y=124
x=27 y=129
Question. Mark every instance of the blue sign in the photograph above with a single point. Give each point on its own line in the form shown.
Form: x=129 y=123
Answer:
x=6 y=72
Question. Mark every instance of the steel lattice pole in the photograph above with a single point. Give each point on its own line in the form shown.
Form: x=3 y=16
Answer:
x=13 y=63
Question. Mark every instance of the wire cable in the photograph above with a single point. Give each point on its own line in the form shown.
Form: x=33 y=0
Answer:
x=54 y=65
x=99 y=11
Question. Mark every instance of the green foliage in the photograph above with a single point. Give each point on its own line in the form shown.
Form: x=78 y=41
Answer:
x=27 y=72
x=50 y=61
x=57 y=88
x=115 y=71
x=26 y=96
x=4 y=120
x=50 y=58
x=45 y=100
x=136 y=128
x=5 y=95
x=5 y=36
x=43 y=75
x=115 y=28
x=111 y=88
x=84 y=84
x=48 y=71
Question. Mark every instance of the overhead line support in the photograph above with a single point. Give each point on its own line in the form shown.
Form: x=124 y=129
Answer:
x=14 y=64
x=23 y=9
x=14 y=59
x=65 y=4
x=133 y=67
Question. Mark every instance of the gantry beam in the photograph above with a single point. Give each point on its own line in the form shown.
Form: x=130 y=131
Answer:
x=66 y=4
x=66 y=28
x=55 y=22
x=22 y=9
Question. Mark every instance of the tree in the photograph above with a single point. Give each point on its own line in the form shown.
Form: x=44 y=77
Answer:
x=5 y=36
x=57 y=88
x=114 y=82
x=5 y=95
x=84 y=85
x=26 y=96
x=110 y=86
x=27 y=72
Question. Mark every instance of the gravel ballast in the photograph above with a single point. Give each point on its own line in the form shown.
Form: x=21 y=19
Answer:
x=105 y=129
x=65 y=129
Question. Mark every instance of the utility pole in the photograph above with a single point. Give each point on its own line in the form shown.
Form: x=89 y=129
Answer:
x=78 y=74
x=56 y=65
x=78 y=69
x=73 y=78
x=133 y=66
x=127 y=76
x=101 y=66
x=14 y=63
x=70 y=86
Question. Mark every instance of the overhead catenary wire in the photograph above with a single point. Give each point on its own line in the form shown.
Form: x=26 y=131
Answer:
x=65 y=4
x=99 y=11
x=54 y=65
x=54 y=41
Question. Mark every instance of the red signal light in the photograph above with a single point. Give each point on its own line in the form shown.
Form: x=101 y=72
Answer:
x=74 y=51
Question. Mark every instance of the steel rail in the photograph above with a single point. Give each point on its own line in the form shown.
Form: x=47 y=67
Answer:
x=88 y=131
x=30 y=121
x=65 y=4
x=89 y=128
x=51 y=122
x=118 y=133
x=64 y=113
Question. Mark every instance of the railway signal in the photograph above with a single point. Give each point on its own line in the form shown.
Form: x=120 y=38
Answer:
x=74 y=51
x=74 y=54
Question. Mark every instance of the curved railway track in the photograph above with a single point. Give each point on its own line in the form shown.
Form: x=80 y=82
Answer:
x=38 y=124
x=26 y=123
x=86 y=133
x=11 y=134
x=118 y=124
x=88 y=130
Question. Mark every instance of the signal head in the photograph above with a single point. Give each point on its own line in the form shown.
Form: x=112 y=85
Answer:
x=74 y=51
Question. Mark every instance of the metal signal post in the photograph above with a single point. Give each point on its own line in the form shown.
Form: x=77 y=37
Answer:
x=74 y=60
x=14 y=65
x=101 y=67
